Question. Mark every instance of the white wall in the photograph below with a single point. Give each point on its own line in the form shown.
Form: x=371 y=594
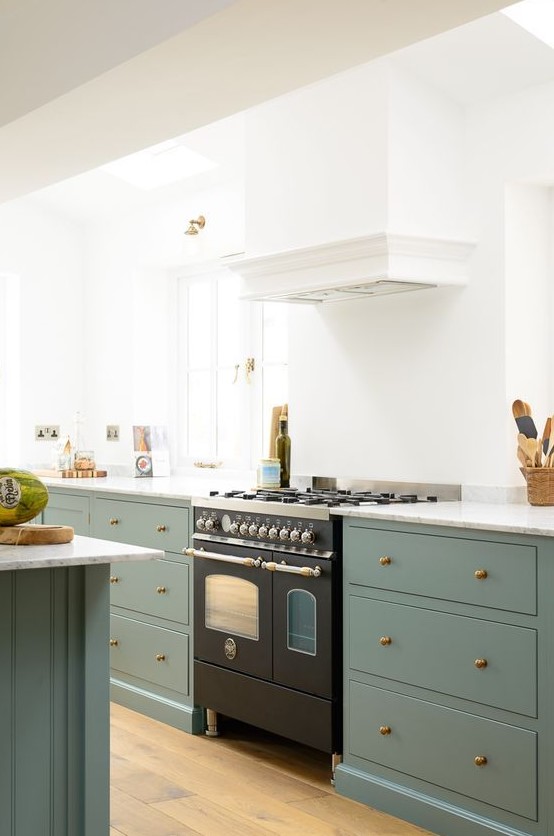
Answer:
x=416 y=386
x=44 y=253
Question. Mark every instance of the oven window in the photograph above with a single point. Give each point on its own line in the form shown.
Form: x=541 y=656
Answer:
x=232 y=606
x=301 y=621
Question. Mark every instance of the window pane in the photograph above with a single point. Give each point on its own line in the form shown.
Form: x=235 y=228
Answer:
x=275 y=324
x=228 y=321
x=228 y=415
x=200 y=410
x=199 y=325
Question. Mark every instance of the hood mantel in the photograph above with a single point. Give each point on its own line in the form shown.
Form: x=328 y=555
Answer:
x=353 y=268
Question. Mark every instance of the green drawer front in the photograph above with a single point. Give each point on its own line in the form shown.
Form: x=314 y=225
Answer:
x=444 y=567
x=153 y=526
x=439 y=745
x=157 y=587
x=439 y=651
x=148 y=652
x=68 y=509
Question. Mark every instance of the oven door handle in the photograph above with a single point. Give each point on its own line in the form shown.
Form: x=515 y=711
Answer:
x=293 y=570
x=223 y=558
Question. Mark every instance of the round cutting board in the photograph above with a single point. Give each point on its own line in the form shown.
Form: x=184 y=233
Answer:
x=35 y=535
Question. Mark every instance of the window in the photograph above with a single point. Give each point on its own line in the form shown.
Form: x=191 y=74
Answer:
x=9 y=370
x=232 y=369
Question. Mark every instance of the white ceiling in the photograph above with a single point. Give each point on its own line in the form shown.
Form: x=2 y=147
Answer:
x=483 y=59
x=91 y=82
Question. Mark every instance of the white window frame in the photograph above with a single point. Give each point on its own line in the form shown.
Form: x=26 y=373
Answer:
x=251 y=417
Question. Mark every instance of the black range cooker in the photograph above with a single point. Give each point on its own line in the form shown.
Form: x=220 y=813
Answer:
x=268 y=608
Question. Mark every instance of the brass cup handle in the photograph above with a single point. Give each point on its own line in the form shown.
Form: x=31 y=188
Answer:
x=480 y=760
x=114 y=579
x=385 y=640
x=160 y=657
x=384 y=730
x=161 y=527
x=114 y=521
x=480 y=663
x=161 y=590
x=114 y=642
x=480 y=574
x=385 y=560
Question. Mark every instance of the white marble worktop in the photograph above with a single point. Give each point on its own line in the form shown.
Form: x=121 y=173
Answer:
x=81 y=551
x=516 y=517
x=161 y=487
x=519 y=518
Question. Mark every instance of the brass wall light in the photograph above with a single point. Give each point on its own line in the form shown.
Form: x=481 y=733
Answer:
x=195 y=225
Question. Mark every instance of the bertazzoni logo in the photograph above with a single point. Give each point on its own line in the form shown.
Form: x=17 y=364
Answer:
x=10 y=492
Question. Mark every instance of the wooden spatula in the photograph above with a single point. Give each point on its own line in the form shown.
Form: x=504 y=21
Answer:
x=522 y=414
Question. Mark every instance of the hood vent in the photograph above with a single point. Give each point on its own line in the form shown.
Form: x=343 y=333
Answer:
x=373 y=265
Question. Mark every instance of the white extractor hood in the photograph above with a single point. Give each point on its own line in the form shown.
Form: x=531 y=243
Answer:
x=357 y=267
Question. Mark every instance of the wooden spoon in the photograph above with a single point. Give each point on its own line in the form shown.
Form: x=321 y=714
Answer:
x=546 y=435
x=525 y=423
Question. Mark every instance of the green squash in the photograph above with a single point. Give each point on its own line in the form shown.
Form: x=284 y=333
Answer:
x=22 y=496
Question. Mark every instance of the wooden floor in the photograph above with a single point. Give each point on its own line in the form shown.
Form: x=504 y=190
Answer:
x=165 y=782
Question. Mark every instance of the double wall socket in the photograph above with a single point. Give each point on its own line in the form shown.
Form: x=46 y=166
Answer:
x=112 y=432
x=47 y=432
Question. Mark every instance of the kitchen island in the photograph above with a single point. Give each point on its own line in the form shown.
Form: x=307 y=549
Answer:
x=54 y=689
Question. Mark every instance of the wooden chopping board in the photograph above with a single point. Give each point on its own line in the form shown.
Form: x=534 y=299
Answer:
x=35 y=535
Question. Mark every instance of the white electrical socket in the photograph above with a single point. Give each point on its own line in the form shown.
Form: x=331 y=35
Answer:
x=112 y=432
x=47 y=432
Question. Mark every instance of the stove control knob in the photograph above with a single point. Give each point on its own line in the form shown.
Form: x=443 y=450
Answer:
x=273 y=533
x=308 y=537
x=243 y=528
x=253 y=529
x=234 y=528
x=263 y=531
x=284 y=534
x=201 y=524
x=295 y=535
x=212 y=524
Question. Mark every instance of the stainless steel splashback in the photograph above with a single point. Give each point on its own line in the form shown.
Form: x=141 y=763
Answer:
x=444 y=492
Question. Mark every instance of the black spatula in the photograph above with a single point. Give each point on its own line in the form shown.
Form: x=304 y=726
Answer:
x=525 y=424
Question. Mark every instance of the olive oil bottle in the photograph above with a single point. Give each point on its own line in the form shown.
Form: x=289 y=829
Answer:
x=282 y=450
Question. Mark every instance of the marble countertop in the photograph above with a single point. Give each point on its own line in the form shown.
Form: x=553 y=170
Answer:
x=515 y=517
x=162 y=487
x=81 y=551
x=519 y=518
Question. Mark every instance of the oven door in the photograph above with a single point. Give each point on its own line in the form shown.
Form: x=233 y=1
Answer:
x=232 y=609
x=303 y=625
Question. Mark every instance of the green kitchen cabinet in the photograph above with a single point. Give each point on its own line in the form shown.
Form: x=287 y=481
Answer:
x=65 y=508
x=151 y=608
x=449 y=677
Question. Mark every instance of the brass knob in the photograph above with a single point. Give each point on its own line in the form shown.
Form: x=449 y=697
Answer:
x=114 y=521
x=480 y=760
x=385 y=560
x=161 y=590
x=161 y=527
x=384 y=730
x=384 y=640
x=160 y=657
x=480 y=574
x=114 y=579
x=480 y=663
x=114 y=642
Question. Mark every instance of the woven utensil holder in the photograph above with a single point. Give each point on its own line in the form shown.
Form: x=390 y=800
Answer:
x=540 y=485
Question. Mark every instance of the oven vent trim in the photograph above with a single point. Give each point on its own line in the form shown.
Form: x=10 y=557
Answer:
x=369 y=265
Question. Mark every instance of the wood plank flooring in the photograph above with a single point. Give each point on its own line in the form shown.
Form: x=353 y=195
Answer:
x=246 y=782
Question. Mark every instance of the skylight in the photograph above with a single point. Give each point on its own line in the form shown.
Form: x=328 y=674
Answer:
x=159 y=165
x=536 y=16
